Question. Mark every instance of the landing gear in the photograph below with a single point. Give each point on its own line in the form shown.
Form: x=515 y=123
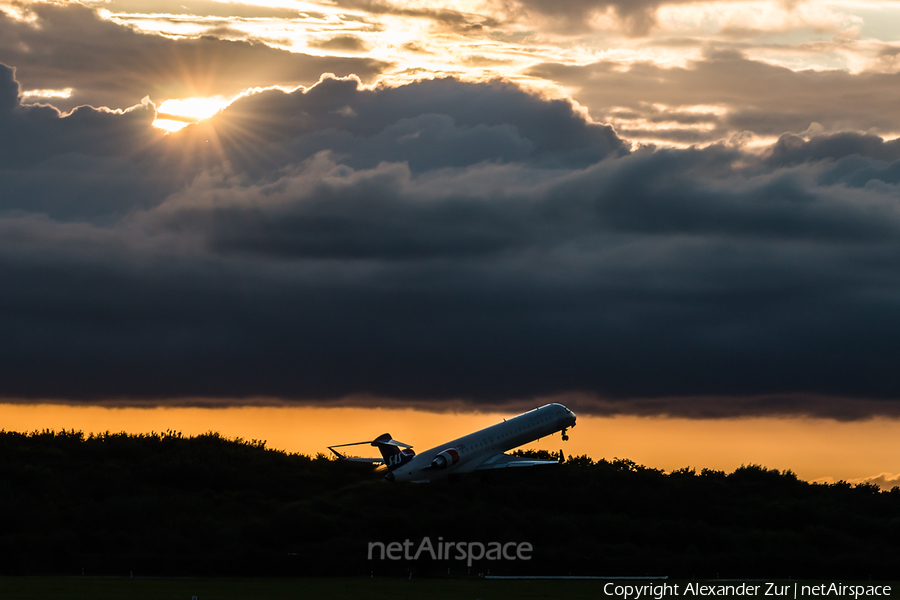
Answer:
x=565 y=436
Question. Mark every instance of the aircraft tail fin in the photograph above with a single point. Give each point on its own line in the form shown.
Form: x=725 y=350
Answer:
x=393 y=452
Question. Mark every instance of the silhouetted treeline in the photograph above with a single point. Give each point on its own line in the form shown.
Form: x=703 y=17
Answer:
x=170 y=505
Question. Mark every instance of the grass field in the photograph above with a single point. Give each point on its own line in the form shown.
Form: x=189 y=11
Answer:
x=114 y=588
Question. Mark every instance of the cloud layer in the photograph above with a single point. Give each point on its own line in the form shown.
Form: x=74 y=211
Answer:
x=441 y=242
x=106 y=64
x=670 y=73
x=724 y=94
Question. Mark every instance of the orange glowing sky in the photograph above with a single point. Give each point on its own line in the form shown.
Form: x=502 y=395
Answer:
x=815 y=449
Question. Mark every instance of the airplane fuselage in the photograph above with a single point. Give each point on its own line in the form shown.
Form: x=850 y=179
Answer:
x=472 y=451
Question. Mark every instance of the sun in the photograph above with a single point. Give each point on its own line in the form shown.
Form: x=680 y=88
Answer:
x=176 y=114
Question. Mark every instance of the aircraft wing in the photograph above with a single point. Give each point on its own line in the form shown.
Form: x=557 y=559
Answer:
x=501 y=461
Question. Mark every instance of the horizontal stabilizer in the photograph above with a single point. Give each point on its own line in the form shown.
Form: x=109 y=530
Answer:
x=501 y=461
x=385 y=438
x=354 y=458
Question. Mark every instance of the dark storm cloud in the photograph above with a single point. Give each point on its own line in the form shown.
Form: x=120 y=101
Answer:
x=757 y=97
x=35 y=132
x=792 y=150
x=106 y=64
x=80 y=166
x=444 y=243
x=729 y=407
x=428 y=125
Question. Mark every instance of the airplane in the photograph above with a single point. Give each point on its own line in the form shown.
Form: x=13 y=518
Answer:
x=479 y=451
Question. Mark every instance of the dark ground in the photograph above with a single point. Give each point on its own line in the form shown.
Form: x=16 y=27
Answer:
x=164 y=505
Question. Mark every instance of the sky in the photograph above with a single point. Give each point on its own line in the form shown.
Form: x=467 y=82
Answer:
x=675 y=212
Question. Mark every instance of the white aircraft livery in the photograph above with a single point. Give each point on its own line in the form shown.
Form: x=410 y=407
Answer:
x=477 y=451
